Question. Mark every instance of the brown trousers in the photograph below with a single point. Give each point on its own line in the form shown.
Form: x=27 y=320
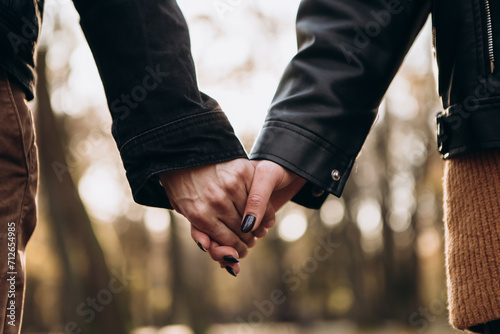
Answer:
x=18 y=186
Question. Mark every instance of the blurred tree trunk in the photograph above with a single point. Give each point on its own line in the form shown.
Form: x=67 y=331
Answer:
x=33 y=321
x=399 y=264
x=388 y=303
x=189 y=303
x=355 y=268
x=179 y=312
x=84 y=267
x=136 y=247
x=285 y=312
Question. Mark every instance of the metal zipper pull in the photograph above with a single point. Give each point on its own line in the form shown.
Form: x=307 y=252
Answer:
x=489 y=32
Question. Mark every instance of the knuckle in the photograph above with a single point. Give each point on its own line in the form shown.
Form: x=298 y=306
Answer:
x=247 y=239
x=243 y=252
x=252 y=242
x=199 y=214
x=261 y=233
x=208 y=228
x=232 y=184
x=269 y=223
x=244 y=169
x=217 y=199
x=237 y=244
x=255 y=201
x=264 y=167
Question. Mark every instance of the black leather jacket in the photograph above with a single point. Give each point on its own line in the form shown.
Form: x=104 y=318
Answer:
x=161 y=121
x=349 y=52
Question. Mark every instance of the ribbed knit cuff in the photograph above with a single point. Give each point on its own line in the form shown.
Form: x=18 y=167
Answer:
x=472 y=217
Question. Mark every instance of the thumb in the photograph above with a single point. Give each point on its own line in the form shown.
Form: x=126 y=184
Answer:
x=265 y=180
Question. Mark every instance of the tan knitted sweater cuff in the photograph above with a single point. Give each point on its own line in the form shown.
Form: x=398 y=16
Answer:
x=472 y=217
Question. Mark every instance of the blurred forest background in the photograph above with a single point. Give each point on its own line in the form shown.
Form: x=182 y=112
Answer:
x=370 y=262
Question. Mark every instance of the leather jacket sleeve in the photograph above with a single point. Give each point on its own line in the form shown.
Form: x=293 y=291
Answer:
x=161 y=121
x=327 y=101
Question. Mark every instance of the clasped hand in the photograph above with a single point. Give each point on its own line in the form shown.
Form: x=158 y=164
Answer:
x=230 y=204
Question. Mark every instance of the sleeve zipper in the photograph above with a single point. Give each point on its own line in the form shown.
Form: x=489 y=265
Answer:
x=489 y=32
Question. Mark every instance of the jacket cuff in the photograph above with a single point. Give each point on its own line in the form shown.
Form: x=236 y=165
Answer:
x=323 y=165
x=460 y=130
x=196 y=140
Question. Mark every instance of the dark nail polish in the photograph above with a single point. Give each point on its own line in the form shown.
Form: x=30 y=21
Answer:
x=248 y=223
x=230 y=259
x=201 y=247
x=230 y=270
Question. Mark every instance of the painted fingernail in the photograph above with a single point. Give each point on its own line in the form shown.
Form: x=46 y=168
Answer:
x=230 y=259
x=201 y=246
x=231 y=271
x=248 y=223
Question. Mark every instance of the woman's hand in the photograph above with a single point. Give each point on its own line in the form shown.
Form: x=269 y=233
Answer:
x=272 y=185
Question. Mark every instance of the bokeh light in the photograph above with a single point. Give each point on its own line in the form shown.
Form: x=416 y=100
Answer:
x=100 y=191
x=332 y=212
x=293 y=226
x=369 y=218
x=156 y=220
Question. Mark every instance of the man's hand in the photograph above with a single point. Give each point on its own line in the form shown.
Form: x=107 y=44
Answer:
x=272 y=184
x=212 y=198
